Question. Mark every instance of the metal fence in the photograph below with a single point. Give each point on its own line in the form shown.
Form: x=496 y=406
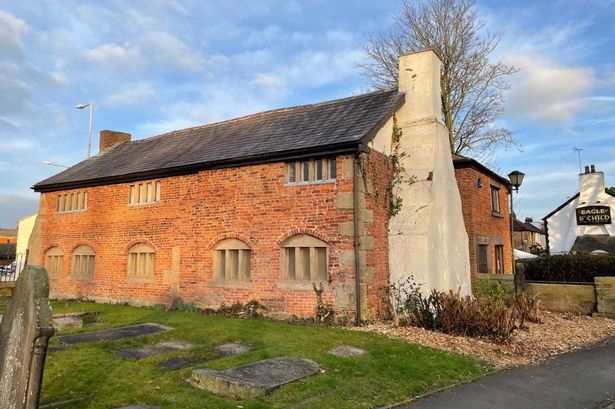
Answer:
x=11 y=264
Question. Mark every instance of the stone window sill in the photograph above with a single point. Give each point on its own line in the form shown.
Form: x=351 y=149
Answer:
x=497 y=214
x=72 y=211
x=75 y=277
x=315 y=182
x=300 y=285
x=139 y=280
x=220 y=283
x=138 y=205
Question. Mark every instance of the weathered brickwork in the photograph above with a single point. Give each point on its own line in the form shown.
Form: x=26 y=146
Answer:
x=250 y=203
x=482 y=225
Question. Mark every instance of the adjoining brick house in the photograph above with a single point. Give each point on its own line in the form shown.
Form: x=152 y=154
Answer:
x=264 y=207
x=8 y=236
x=485 y=203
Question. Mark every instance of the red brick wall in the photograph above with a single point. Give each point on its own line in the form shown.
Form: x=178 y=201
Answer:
x=251 y=203
x=479 y=220
x=8 y=239
x=379 y=176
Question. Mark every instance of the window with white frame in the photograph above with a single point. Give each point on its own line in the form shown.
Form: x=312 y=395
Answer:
x=144 y=192
x=232 y=260
x=305 y=258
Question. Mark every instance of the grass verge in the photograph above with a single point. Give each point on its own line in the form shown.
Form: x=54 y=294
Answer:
x=391 y=371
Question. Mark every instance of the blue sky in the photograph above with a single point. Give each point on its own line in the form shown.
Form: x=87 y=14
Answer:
x=157 y=65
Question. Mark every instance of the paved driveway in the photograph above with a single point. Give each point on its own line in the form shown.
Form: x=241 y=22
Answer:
x=578 y=380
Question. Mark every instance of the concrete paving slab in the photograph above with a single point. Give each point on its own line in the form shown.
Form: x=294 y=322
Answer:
x=347 y=351
x=256 y=379
x=62 y=324
x=148 y=351
x=114 y=334
x=232 y=349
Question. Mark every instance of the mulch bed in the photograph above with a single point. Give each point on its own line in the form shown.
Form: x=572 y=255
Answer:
x=558 y=333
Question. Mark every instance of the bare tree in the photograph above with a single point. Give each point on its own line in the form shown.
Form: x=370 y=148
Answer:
x=472 y=86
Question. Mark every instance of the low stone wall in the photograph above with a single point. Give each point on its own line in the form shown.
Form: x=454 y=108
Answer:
x=605 y=296
x=571 y=298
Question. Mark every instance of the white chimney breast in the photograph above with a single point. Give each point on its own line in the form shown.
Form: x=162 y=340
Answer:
x=591 y=189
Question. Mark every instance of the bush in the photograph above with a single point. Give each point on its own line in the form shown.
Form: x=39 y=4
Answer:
x=570 y=268
x=485 y=315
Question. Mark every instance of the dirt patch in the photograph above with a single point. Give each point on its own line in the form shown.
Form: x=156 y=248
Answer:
x=557 y=334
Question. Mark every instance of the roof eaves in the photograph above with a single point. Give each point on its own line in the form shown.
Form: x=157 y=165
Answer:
x=561 y=206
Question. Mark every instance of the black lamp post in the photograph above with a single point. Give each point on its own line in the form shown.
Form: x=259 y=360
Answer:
x=516 y=178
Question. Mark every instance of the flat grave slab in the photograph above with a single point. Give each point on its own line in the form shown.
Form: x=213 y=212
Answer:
x=140 y=407
x=347 y=351
x=217 y=352
x=256 y=379
x=62 y=324
x=114 y=334
x=148 y=351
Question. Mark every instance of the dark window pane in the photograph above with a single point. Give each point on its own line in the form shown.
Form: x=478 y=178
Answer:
x=332 y=169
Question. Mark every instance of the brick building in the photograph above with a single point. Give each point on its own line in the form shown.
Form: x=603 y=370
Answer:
x=485 y=203
x=8 y=236
x=263 y=207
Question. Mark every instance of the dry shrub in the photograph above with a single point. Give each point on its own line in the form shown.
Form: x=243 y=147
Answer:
x=450 y=313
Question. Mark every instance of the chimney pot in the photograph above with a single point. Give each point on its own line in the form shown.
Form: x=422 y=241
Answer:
x=586 y=169
x=529 y=220
x=109 y=139
x=593 y=168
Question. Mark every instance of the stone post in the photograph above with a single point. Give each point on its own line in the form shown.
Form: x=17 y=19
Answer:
x=24 y=333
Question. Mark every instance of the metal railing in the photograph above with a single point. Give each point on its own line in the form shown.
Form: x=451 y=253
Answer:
x=11 y=265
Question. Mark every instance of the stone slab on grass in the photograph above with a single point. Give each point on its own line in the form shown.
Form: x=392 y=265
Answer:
x=62 y=324
x=256 y=379
x=347 y=351
x=148 y=351
x=217 y=352
x=114 y=334
x=140 y=407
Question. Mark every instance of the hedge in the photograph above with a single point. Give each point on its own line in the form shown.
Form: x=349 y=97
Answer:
x=570 y=268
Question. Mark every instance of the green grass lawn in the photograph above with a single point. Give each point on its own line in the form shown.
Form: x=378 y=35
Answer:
x=391 y=371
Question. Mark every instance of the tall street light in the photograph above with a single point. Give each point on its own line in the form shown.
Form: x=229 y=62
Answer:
x=516 y=178
x=49 y=163
x=83 y=106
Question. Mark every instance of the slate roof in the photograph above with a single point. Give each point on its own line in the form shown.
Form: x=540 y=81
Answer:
x=325 y=128
x=460 y=161
x=8 y=232
x=589 y=243
x=518 y=225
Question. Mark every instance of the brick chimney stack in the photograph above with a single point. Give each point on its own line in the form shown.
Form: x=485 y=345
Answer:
x=109 y=139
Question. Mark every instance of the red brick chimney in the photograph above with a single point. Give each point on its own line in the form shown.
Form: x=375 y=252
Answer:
x=109 y=139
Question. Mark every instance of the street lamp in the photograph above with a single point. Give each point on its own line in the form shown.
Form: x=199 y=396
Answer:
x=49 y=163
x=516 y=178
x=83 y=106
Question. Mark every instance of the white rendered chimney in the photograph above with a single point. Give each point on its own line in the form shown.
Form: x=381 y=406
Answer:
x=591 y=189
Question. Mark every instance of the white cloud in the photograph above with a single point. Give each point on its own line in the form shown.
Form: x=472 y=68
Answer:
x=268 y=80
x=11 y=30
x=168 y=50
x=547 y=91
x=131 y=96
x=59 y=77
x=115 y=56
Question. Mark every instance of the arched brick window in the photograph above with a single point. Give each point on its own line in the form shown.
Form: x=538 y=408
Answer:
x=141 y=260
x=232 y=260
x=305 y=258
x=54 y=261
x=83 y=261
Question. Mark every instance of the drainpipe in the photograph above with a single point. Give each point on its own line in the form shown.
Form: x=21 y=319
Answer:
x=357 y=218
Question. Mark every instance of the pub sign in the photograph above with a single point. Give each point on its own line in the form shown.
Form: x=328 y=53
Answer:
x=590 y=215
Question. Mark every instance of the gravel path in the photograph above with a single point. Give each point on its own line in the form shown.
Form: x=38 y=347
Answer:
x=557 y=334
